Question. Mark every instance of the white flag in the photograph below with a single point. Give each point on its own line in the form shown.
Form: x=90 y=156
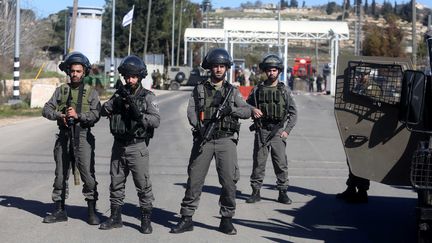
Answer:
x=127 y=19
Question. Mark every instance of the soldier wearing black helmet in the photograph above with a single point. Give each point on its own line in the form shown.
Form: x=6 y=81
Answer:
x=275 y=114
x=134 y=114
x=74 y=105
x=208 y=97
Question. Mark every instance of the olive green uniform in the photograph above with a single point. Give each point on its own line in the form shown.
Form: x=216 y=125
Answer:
x=279 y=109
x=129 y=151
x=84 y=152
x=222 y=146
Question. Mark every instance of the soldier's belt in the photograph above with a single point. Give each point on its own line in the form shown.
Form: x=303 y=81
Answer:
x=221 y=134
x=130 y=141
x=270 y=125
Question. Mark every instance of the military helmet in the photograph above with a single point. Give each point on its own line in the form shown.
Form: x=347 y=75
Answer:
x=216 y=56
x=271 y=61
x=132 y=65
x=75 y=58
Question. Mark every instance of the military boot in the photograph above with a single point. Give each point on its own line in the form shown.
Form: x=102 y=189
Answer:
x=146 y=227
x=114 y=221
x=283 y=197
x=255 y=197
x=92 y=219
x=185 y=224
x=348 y=195
x=58 y=215
x=226 y=226
x=360 y=197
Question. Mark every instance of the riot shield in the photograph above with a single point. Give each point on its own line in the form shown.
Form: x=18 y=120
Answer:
x=367 y=105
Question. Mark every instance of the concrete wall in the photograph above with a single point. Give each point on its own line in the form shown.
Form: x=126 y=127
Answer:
x=26 y=85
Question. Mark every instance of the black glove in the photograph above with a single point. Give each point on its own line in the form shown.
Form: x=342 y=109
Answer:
x=134 y=112
x=226 y=110
x=123 y=92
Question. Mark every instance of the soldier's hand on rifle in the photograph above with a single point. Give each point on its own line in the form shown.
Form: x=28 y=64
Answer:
x=284 y=134
x=62 y=118
x=257 y=113
x=70 y=112
x=225 y=111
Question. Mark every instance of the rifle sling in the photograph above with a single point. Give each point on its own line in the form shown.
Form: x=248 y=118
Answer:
x=77 y=129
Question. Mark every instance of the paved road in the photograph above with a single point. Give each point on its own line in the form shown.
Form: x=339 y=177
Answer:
x=317 y=172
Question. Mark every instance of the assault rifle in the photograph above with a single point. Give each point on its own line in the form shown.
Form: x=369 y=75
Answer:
x=73 y=138
x=274 y=131
x=72 y=154
x=216 y=117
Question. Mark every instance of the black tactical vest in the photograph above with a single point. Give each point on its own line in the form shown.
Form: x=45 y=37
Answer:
x=122 y=126
x=272 y=101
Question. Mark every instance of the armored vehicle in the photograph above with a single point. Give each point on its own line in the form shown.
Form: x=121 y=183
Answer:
x=383 y=111
x=184 y=76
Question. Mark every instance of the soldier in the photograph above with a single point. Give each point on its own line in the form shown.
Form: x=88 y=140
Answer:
x=275 y=115
x=133 y=114
x=365 y=85
x=208 y=98
x=357 y=187
x=153 y=76
x=75 y=106
x=158 y=79
x=356 y=191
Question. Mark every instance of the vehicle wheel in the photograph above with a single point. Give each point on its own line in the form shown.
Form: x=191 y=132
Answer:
x=180 y=77
x=174 y=85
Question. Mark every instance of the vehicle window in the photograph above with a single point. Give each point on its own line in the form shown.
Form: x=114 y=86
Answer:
x=379 y=82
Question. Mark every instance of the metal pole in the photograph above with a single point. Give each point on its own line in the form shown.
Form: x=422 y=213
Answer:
x=286 y=61
x=147 y=27
x=179 y=32
x=279 y=27
x=360 y=47
x=172 y=34
x=130 y=38
x=414 y=40
x=16 y=91
x=111 y=85
x=66 y=43
x=73 y=27
x=231 y=76
x=130 y=31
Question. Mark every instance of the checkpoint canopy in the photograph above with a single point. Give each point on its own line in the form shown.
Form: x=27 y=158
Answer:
x=271 y=32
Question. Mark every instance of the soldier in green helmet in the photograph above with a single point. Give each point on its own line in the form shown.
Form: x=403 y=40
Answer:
x=74 y=105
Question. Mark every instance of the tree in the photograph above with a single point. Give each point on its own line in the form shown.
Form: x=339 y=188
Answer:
x=386 y=9
x=366 y=7
x=247 y=5
x=384 y=41
x=29 y=30
x=395 y=8
x=373 y=9
x=159 y=39
x=293 y=4
x=406 y=12
x=331 y=8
